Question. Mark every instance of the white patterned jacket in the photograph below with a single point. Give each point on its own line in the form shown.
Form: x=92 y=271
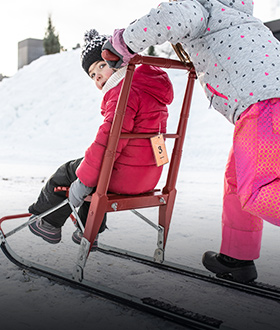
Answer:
x=235 y=55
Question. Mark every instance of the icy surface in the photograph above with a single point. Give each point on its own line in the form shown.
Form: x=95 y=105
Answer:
x=49 y=114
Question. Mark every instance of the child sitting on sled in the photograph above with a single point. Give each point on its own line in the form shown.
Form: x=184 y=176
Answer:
x=135 y=170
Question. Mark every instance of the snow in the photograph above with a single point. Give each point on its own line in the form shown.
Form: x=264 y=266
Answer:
x=49 y=114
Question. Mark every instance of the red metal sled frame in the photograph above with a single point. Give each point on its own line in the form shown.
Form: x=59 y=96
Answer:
x=101 y=201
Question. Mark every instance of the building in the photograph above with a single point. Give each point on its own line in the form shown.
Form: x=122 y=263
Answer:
x=29 y=50
x=274 y=26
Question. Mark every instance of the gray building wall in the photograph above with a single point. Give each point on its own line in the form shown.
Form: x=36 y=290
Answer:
x=29 y=50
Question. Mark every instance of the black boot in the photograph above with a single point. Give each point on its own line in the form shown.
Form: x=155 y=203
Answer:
x=239 y=270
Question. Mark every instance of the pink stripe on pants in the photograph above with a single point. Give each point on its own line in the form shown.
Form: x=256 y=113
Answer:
x=252 y=180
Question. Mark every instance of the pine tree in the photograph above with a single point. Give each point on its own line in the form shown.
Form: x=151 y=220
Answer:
x=51 y=40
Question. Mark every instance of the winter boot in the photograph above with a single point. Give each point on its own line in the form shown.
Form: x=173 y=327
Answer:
x=239 y=270
x=45 y=230
x=77 y=237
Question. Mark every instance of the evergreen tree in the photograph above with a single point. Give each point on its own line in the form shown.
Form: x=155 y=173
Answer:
x=51 y=40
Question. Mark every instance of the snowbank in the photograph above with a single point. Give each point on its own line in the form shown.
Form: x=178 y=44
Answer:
x=50 y=111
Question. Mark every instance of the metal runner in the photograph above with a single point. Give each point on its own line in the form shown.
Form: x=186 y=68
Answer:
x=260 y=289
x=169 y=312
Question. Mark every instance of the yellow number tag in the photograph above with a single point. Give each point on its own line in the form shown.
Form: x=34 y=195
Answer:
x=159 y=149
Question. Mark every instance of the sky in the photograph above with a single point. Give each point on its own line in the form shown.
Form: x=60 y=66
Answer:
x=21 y=19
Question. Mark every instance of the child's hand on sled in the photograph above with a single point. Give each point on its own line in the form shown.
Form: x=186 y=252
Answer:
x=117 y=46
x=78 y=192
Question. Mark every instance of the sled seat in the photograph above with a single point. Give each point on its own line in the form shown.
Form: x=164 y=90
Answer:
x=102 y=202
x=128 y=202
x=117 y=202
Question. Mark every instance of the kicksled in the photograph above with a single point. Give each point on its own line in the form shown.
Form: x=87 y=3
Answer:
x=163 y=199
x=102 y=202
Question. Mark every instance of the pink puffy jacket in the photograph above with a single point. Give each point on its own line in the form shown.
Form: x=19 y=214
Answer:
x=135 y=170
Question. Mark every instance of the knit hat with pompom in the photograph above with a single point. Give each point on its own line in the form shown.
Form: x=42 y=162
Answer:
x=91 y=52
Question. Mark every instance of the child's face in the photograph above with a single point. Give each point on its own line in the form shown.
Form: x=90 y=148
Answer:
x=100 y=73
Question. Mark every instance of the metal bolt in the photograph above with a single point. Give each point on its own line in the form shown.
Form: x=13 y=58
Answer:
x=114 y=206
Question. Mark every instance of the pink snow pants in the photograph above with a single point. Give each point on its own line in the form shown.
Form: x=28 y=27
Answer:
x=252 y=180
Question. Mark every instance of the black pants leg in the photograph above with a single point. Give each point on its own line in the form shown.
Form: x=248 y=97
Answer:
x=83 y=213
x=63 y=177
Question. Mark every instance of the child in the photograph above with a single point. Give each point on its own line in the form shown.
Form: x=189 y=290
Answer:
x=146 y=112
x=236 y=59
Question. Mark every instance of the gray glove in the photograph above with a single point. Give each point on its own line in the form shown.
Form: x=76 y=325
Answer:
x=77 y=193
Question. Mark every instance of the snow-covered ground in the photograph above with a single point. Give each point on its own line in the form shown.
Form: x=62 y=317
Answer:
x=49 y=114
